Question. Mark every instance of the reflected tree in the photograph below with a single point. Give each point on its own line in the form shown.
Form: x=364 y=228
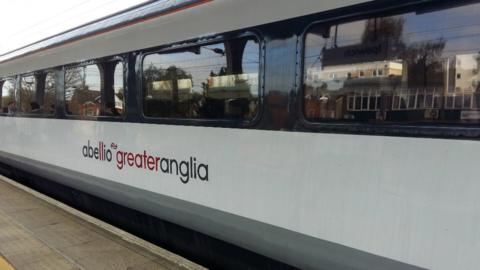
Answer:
x=159 y=104
x=425 y=64
x=10 y=97
x=384 y=29
x=152 y=74
x=77 y=92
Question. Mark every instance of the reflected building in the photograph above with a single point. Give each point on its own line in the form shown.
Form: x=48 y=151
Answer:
x=465 y=73
x=375 y=70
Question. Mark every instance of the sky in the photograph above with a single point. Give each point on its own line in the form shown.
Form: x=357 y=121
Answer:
x=26 y=21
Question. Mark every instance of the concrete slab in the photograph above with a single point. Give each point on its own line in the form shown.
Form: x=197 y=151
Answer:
x=37 y=232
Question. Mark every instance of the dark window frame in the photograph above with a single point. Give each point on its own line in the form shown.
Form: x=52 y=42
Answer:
x=180 y=46
x=116 y=58
x=430 y=130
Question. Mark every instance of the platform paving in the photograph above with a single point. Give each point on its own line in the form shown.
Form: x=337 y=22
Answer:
x=37 y=232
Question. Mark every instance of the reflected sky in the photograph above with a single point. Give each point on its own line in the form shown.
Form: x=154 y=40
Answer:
x=458 y=27
x=7 y=88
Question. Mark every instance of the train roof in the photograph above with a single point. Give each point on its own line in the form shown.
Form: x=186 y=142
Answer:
x=108 y=23
x=155 y=23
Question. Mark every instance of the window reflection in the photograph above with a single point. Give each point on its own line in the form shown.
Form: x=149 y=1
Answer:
x=82 y=90
x=49 y=94
x=28 y=95
x=8 y=96
x=404 y=68
x=118 y=90
x=95 y=90
x=37 y=93
x=217 y=81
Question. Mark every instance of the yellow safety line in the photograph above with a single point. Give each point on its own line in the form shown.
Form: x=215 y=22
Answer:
x=4 y=265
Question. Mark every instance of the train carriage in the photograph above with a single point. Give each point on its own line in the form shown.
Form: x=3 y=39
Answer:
x=261 y=134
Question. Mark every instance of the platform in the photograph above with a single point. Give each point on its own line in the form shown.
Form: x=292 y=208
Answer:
x=37 y=232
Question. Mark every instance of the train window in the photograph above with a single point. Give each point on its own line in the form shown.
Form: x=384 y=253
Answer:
x=37 y=93
x=8 y=96
x=406 y=68
x=215 y=81
x=95 y=90
x=28 y=95
x=82 y=90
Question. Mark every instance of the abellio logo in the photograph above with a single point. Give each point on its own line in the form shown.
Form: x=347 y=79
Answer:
x=186 y=170
x=98 y=152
